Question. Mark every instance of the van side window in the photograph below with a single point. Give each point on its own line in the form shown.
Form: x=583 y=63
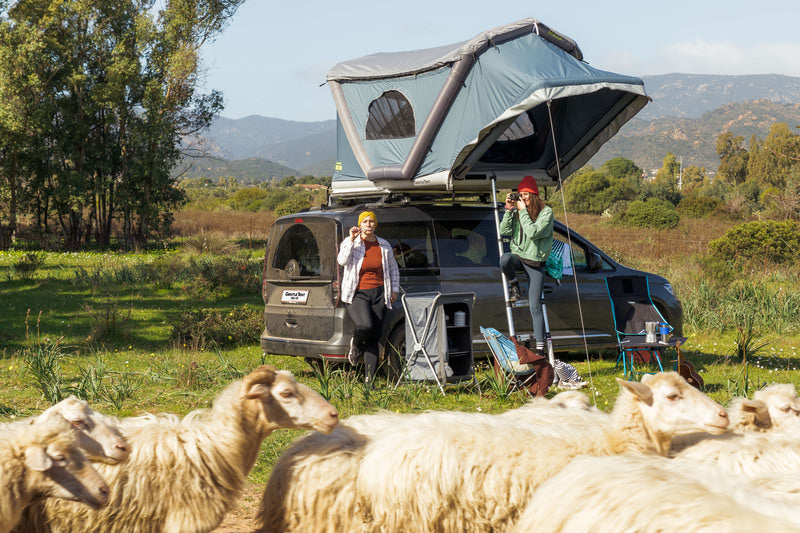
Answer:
x=579 y=260
x=297 y=251
x=412 y=243
x=467 y=243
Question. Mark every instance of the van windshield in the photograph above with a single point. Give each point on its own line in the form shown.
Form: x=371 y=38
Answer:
x=305 y=248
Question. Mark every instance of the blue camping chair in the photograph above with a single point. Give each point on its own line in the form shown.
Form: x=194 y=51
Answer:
x=520 y=376
x=632 y=308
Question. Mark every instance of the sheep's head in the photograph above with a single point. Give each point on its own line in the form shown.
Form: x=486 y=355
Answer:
x=98 y=440
x=287 y=403
x=56 y=466
x=782 y=405
x=670 y=406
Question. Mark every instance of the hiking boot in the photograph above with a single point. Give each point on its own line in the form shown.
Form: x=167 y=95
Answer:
x=354 y=355
x=514 y=293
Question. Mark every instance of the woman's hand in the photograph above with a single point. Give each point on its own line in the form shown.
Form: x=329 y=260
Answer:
x=393 y=298
x=354 y=231
x=521 y=205
x=509 y=203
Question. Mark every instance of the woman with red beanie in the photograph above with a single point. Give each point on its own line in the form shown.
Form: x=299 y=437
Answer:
x=529 y=224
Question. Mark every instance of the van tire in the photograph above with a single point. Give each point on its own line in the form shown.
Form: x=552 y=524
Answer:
x=394 y=352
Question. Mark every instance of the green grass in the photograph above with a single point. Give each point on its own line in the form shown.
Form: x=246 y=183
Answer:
x=100 y=325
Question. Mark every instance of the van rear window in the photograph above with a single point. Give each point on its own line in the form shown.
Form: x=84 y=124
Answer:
x=303 y=249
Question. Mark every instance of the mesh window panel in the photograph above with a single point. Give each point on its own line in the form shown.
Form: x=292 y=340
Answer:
x=390 y=117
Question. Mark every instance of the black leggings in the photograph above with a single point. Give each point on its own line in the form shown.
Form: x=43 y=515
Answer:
x=367 y=311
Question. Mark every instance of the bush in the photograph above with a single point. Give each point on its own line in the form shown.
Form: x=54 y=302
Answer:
x=698 y=206
x=765 y=241
x=651 y=213
x=200 y=329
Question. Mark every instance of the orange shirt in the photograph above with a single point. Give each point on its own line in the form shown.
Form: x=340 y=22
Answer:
x=371 y=274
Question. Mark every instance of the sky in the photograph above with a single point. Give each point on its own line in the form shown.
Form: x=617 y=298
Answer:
x=272 y=58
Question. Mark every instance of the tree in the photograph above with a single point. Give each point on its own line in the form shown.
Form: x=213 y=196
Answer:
x=97 y=102
x=733 y=159
x=583 y=192
x=692 y=178
x=620 y=167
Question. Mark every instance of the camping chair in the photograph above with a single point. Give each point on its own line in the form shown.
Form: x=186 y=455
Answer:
x=519 y=375
x=632 y=308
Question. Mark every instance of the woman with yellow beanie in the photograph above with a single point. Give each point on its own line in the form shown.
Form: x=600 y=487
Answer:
x=370 y=285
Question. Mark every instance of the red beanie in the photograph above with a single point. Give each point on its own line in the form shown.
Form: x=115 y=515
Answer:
x=528 y=184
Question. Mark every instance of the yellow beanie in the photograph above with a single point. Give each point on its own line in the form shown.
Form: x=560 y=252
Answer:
x=366 y=214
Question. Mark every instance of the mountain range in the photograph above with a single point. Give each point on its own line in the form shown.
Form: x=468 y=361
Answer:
x=687 y=114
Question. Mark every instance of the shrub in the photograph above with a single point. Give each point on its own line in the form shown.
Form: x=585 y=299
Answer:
x=292 y=205
x=650 y=213
x=199 y=329
x=698 y=206
x=764 y=241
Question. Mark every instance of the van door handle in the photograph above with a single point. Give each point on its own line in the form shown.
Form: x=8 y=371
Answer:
x=290 y=323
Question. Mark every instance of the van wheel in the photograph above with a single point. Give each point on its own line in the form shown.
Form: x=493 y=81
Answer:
x=394 y=352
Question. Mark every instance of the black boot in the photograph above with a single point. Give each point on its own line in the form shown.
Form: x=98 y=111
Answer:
x=514 y=293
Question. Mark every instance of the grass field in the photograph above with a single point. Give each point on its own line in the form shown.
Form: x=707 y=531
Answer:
x=103 y=326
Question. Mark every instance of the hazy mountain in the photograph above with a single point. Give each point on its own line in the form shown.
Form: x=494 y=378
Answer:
x=257 y=136
x=694 y=140
x=692 y=95
x=687 y=114
x=252 y=170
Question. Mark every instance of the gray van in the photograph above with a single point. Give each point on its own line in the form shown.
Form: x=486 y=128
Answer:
x=448 y=248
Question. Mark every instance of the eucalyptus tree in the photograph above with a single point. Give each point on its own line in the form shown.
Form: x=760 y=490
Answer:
x=104 y=91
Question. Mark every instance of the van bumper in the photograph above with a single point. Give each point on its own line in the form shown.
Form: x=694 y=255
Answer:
x=334 y=350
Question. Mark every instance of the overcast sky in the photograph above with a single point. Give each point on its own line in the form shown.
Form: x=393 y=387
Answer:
x=272 y=58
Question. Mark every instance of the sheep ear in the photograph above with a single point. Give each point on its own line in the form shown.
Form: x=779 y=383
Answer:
x=640 y=390
x=257 y=390
x=751 y=406
x=36 y=459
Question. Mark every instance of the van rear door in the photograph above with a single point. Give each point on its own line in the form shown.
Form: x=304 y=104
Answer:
x=301 y=285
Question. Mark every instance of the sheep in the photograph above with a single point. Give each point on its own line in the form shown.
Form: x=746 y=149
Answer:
x=329 y=463
x=774 y=408
x=42 y=460
x=185 y=476
x=97 y=439
x=649 y=494
x=766 y=441
x=437 y=471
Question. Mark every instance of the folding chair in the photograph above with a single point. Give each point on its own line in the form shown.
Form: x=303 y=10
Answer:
x=519 y=375
x=633 y=307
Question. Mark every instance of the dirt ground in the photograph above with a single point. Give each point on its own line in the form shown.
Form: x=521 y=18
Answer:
x=240 y=519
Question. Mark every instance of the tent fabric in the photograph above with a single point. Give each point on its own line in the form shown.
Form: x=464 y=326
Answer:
x=465 y=97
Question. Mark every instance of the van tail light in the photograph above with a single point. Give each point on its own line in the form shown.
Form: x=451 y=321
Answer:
x=264 y=292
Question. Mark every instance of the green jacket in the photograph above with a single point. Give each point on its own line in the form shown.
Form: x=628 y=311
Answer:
x=530 y=239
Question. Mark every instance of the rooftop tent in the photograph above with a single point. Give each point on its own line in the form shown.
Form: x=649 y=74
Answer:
x=506 y=103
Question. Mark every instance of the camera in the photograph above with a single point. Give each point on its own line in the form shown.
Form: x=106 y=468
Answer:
x=514 y=197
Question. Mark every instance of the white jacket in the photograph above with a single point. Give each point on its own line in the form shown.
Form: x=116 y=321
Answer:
x=351 y=255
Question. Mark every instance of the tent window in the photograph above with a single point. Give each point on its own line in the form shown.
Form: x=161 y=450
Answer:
x=390 y=117
x=521 y=143
x=521 y=128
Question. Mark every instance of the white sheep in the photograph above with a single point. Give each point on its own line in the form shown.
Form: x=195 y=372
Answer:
x=185 y=476
x=98 y=440
x=764 y=429
x=438 y=471
x=774 y=408
x=42 y=460
x=651 y=494
x=330 y=463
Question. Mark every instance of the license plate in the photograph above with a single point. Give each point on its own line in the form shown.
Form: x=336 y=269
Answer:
x=294 y=297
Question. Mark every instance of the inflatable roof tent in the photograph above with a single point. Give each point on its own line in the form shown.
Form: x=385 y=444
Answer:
x=513 y=101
